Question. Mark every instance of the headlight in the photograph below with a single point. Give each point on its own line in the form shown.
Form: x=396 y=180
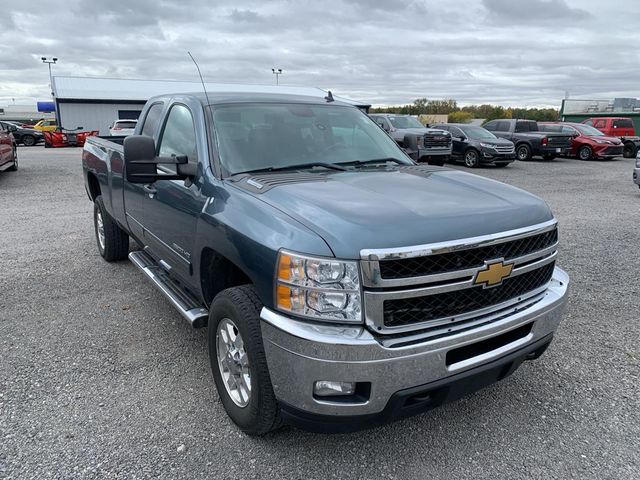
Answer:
x=487 y=145
x=638 y=159
x=318 y=288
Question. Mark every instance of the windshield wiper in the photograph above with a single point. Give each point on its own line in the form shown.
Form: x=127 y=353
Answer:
x=331 y=166
x=375 y=160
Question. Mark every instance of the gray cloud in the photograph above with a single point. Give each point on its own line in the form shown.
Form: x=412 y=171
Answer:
x=385 y=52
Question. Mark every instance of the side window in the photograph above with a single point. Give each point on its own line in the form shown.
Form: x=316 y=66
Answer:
x=178 y=136
x=152 y=119
x=491 y=126
x=502 y=127
x=570 y=130
x=522 y=127
x=600 y=124
x=588 y=122
x=455 y=132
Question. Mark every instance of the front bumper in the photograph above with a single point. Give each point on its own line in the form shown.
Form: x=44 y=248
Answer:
x=434 y=152
x=300 y=353
x=491 y=156
x=608 y=151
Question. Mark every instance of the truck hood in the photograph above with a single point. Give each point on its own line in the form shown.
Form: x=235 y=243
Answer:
x=401 y=206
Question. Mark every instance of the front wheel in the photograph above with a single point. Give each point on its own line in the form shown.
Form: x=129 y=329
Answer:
x=585 y=153
x=523 y=152
x=113 y=242
x=14 y=167
x=629 y=150
x=238 y=361
x=471 y=158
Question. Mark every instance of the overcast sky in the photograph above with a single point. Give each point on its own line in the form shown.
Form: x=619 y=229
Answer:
x=509 y=52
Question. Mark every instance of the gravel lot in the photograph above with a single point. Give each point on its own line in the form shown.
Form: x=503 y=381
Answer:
x=101 y=378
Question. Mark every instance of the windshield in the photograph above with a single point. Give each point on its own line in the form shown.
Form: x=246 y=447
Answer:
x=261 y=136
x=405 y=122
x=478 y=133
x=587 y=130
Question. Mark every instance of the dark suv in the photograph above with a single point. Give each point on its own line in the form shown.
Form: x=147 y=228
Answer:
x=477 y=146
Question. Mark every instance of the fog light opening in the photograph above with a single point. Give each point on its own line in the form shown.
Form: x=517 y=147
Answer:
x=326 y=388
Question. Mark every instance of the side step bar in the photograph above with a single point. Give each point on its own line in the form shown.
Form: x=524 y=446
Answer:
x=188 y=307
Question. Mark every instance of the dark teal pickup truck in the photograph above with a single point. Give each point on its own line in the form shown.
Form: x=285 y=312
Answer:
x=342 y=284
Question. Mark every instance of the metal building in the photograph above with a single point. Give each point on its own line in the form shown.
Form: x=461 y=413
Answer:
x=94 y=103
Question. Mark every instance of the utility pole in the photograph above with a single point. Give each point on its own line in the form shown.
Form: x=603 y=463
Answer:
x=54 y=60
x=277 y=72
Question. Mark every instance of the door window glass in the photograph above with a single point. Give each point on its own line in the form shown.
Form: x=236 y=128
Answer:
x=152 y=119
x=179 y=136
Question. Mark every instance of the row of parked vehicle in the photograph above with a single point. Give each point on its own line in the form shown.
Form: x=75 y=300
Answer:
x=500 y=142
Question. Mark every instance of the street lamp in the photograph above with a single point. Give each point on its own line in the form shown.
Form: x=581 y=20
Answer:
x=277 y=72
x=49 y=62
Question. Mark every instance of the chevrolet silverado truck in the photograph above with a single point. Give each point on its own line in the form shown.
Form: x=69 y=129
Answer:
x=342 y=284
x=421 y=143
x=529 y=140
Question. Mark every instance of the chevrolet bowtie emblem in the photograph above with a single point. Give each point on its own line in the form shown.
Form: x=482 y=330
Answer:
x=493 y=273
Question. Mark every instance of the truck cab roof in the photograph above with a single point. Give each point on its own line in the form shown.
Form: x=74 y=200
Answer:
x=225 y=98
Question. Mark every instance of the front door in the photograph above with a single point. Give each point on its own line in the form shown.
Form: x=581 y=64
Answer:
x=171 y=213
x=6 y=147
x=458 y=144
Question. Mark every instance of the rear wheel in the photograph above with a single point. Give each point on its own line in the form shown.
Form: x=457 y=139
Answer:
x=113 y=242
x=238 y=361
x=28 y=140
x=585 y=153
x=14 y=167
x=523 y=152
x=471 y=158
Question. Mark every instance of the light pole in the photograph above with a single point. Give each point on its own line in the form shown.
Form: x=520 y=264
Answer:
x=277 y=72
x=49 y=62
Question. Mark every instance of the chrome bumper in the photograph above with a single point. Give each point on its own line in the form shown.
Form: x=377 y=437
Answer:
x=300 y=353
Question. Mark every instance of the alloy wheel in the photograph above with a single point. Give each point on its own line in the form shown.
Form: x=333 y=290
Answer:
x=233 y=362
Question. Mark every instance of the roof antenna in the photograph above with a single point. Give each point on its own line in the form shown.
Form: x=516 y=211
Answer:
x=202 y=80
x=329 y=97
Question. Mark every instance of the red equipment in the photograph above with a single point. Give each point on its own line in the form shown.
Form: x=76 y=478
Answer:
x=67 y=138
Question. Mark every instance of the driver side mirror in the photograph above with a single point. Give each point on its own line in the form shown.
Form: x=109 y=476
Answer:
x=141 y=162
x=462 y=138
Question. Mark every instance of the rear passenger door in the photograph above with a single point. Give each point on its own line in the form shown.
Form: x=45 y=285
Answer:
x=172 y=210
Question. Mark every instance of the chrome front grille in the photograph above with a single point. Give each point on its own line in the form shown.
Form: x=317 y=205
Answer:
x=505 y=148
x=434 y=288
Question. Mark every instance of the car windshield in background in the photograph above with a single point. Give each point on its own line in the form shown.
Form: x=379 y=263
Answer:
x=263 y=136
x=126 y=124
x=478 y=133
x=405 y=122
x=590 y=131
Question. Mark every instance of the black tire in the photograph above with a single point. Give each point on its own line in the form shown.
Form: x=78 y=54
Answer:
x=523 y=152
x=14 y=167
x=28 y=140
x=242 y=306
x=471 y=158
x=115 y=245
x=629 y=150
x=585 y=153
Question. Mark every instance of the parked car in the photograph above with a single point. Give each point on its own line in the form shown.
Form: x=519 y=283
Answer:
x=342 y=284
x=477 y=146
x=636 y=170
x=122 y=127
x=587 y=142
x=25 y=136
x=46 y=126
x=8 y=149
x=421 y=143
x=620 y=127
x=528 y=140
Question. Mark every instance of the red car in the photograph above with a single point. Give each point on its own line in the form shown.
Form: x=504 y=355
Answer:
x=588 y=142
x=621 y=127
x=8 y=150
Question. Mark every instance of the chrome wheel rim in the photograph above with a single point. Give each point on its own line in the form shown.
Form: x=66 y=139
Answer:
x=584 y=154
x=233 y=362
x=100 y=229
x=470 y=159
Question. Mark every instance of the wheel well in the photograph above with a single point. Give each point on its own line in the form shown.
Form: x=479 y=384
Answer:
x=218 y=273
x=523 y=143
x=94 y=186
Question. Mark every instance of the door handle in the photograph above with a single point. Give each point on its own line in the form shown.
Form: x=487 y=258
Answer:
x=150 y=189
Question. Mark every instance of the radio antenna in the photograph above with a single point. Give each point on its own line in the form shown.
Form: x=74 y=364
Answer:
x=201 y=79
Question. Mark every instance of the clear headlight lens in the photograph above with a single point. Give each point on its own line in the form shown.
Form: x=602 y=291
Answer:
x=487 y=145
x=318 y=288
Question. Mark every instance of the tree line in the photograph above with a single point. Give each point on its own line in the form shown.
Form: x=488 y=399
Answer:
x=466 y=114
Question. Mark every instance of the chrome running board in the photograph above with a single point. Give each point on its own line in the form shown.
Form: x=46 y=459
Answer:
x=184 y=302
